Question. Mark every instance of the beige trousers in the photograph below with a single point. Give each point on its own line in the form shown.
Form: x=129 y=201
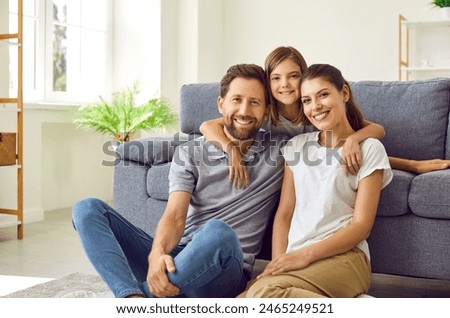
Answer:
x=343 y=275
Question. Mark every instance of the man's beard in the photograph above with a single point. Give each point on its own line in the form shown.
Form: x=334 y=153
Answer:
x=240 y=134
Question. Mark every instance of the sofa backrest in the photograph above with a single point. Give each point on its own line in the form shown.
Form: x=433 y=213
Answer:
x=415 y=115
x=198 y=103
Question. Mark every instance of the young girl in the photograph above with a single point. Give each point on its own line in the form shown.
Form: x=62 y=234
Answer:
x=284 y=67
x=324 y=217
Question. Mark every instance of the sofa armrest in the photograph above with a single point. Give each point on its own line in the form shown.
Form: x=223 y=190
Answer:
x=150 y=151
x=135 y=161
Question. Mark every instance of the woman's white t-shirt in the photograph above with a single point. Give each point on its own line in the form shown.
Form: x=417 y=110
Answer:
x=325 y=196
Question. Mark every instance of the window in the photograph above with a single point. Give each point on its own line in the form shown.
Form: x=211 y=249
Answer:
x=66 y=49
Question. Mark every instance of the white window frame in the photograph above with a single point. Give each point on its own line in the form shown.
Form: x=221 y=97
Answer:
x=43 y=92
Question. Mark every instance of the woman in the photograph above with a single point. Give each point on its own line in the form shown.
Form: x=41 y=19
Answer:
x=319 y=247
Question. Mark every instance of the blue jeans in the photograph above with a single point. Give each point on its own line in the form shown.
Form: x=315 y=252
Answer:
x=211 y=265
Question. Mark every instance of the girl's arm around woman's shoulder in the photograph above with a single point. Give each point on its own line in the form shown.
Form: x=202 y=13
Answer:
x=351 y=153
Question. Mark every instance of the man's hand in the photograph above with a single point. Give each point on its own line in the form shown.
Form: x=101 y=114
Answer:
x=158 y=281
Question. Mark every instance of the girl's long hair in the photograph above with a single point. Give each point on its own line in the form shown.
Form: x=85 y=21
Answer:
x=272 y=61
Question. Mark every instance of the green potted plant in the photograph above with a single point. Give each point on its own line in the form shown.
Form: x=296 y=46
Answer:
x=121 y=117
x=441 y=3
x=445 y=7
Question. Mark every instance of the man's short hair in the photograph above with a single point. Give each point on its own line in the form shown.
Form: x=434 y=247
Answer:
x=247 y=71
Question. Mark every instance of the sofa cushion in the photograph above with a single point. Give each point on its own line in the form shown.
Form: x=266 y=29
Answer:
x=150 y=215
x=429 y=196
x=394 y=197
x=151 y=151
x=158 y=182
x=414 y=114
x=198 y=103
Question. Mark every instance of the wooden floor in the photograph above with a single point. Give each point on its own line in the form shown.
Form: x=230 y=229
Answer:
x=51 y=249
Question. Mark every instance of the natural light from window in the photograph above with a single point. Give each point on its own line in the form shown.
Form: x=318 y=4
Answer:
x=72 y=37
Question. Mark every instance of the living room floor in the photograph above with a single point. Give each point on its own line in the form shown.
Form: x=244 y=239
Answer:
x=51 y=249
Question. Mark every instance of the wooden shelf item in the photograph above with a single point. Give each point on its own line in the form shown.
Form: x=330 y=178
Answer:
x=18 y=102
x=408 y=65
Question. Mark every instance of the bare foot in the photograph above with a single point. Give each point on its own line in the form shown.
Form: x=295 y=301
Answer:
x=424 y=166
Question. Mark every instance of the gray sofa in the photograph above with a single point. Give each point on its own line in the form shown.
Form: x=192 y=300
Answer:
x=411 y=235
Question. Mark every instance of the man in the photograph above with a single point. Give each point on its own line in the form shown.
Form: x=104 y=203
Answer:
x=207 y=239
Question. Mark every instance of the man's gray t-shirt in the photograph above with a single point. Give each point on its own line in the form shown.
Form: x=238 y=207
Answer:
x=200 y=168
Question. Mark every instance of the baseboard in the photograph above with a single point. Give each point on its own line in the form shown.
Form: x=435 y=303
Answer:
x=29 y=216
x=394 y=286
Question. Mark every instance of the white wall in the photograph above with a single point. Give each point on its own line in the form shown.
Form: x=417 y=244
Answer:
x=73 y=165
x=192 y=43
x=137 y=45
x=359 y=37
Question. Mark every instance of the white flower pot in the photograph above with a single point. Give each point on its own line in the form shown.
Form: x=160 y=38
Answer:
x=446 y=13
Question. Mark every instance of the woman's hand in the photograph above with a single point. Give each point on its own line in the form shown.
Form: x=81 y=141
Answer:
x=351 y=155
x=238 y=171
x=287 y=262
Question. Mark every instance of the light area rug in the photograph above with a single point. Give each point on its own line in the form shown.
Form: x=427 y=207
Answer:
x=77 y=285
